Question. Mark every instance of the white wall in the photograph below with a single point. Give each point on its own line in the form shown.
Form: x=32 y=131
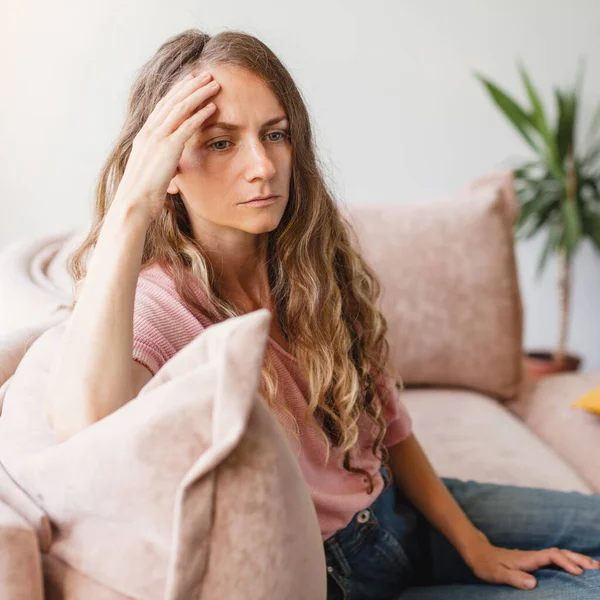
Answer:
x=397 y=112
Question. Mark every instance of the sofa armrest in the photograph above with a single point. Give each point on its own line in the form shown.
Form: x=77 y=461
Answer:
x=20 y=563
x=546 y=408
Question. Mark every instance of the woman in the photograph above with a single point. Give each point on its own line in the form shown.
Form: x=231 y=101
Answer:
x=212 y=123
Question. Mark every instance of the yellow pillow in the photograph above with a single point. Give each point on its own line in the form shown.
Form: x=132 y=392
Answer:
x=590 y=401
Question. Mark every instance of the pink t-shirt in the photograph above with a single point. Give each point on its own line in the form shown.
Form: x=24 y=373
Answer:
x=163 y=325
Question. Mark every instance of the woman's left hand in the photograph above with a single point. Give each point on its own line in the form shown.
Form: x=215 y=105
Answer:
x=503 y=566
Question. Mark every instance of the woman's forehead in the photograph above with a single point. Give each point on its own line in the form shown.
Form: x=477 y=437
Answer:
x=243 y=100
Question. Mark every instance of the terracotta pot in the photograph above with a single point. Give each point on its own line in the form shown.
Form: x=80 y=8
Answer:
x=540 y=364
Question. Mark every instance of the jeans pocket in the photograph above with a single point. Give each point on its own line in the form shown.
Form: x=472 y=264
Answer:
x=379 y=564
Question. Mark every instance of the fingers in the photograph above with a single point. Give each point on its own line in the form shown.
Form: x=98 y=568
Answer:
x=587 y=562
x=192 y=79
x=176 y=95
x=500 y=573
x=527 y=560
x=186 y=107
x=559 y=558
x=512 y=566
x=175 y=89
x=187 y=128
x=536 y=559
x=572 y=562
x=518 y=579
x=188 y=85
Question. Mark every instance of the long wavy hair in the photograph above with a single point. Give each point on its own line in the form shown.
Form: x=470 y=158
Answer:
x=324 y=294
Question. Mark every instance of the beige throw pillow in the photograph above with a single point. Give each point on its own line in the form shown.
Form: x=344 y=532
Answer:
x=450 y=286
x=188 y=491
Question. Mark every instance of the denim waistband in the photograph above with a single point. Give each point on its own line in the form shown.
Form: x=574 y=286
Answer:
x=360 y=517
x=372 y=544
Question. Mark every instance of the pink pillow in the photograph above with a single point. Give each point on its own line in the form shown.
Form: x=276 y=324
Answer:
x=188 y=491
x=450 y=286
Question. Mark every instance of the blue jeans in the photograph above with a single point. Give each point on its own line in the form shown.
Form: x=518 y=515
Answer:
x=389 y=551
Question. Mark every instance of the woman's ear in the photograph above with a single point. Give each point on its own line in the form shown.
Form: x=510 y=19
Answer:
x=173 y=187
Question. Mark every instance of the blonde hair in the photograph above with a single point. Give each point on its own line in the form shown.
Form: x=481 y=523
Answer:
x=324 y=293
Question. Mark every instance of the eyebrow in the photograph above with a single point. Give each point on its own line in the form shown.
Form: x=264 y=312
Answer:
x=234 y=127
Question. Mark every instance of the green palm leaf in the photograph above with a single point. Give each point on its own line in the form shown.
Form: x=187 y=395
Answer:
x=542 y=184
x=565 y=127
x=538 y=117
x=517 y=116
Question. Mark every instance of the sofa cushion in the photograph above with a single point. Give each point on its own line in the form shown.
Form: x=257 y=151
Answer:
x=574 y=433
x=190 y=490
x=450 y=288
x=590 y=401
x=471 y=436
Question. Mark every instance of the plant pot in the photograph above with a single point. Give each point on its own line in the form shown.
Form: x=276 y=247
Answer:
x=540 y=364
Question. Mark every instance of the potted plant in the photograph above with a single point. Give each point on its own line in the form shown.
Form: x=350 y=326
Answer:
x=558 y=193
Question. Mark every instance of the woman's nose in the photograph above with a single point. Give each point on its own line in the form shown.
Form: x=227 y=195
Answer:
x=259 y=163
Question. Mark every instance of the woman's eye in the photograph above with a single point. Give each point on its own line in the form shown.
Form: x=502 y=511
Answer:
x=219 y=142
x=281 y=134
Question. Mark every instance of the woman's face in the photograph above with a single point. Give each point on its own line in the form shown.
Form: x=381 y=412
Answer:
x=221 y=168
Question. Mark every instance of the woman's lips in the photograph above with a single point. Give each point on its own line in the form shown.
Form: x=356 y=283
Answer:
x=265 y=202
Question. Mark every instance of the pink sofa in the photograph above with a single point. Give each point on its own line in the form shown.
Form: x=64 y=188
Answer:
x=451 y=297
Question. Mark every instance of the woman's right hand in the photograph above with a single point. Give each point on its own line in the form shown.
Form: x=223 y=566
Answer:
x=158 y=146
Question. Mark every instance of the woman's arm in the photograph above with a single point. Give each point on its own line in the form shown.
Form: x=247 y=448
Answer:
x=92 y=375
x=414 y=475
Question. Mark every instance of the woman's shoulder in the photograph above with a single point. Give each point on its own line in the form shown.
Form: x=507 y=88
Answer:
x=156 y=293
x=154 y=279
x=156 y=287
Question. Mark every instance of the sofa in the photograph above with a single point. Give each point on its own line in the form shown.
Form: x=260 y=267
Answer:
x=450 y=294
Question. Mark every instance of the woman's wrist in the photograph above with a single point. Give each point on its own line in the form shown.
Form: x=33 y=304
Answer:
x=130 y=209
x=472 y=545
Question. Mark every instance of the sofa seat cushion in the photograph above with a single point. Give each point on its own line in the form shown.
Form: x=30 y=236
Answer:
x=471 y=436
x=574 y=433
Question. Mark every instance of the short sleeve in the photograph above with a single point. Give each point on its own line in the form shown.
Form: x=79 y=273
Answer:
x=151 y=334
x=162 y=324
x=148 y=354
x=398 y=419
